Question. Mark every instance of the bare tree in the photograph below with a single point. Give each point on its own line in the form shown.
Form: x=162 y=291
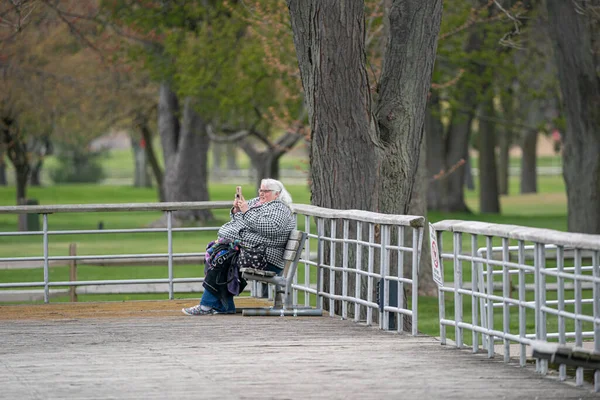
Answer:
x=185 y=149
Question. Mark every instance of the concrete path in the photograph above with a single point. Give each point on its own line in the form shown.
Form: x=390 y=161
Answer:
x=149 y=350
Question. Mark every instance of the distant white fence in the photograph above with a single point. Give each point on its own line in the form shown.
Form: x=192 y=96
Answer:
x=540 y=171
x=564 y=306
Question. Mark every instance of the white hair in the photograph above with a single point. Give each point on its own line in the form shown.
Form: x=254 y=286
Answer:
x=278 y=187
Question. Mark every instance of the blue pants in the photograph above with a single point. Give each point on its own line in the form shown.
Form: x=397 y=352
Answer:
x=210 y=300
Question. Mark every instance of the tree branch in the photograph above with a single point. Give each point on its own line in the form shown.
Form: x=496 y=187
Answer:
x=225 y=139
x=74 y=30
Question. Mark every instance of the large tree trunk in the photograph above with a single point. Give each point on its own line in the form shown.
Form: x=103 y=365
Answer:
x=141 y=176
x=529 y=162
x=535 y=117
x=21 y=179
x=489 y=200
x=34 y=179
x=535 y=99
x=3 y=181
x=364 y=153
x=40 y=148
x=224 y=157
x=469 y=181
x=266 y=166
x=185 y=148
x=329 y=41
x=574 y=34
x=266 y=162
x=231 y=156
x=457 y=150
x=17 y=152
x=505 y=141
x=218 y=149
x=142 y=126
x=503 y=163
x=374 y=156
x=435 y=153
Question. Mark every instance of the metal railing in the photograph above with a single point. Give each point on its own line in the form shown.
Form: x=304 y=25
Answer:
x=564 y=305
x=355 y=254
x=354 y=263
x=46 y=233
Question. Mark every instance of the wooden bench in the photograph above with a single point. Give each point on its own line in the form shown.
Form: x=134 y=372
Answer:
x=283 y=301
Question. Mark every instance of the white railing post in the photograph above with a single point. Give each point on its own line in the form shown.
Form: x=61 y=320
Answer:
x=474 y=288
x=358 y=282
x=170 y=252
x=506 y=295
x=596 y=296
x=321 y=257
x=578 y=312
x=543 y=319
x=538 y=299
x=332 y=261
x=417 y=242
x=490 y=292
x=384 y=287
x=458 y=281
x=400 y=294
x=370 y=277
x=441 y=296
x=522 y=308
x=46 y=264
x=560 y=264
x=306 y=265
x=345 y=267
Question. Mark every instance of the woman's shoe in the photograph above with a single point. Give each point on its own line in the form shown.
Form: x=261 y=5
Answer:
x=197 y=310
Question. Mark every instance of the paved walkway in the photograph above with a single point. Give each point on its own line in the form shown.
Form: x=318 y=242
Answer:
x=149 y=350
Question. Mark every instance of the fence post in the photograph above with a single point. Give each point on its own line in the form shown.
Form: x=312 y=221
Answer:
x=73 y=272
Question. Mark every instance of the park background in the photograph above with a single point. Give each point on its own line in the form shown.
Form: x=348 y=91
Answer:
x=120 y=102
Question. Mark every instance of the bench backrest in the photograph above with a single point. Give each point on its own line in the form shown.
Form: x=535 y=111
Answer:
x=293 y=250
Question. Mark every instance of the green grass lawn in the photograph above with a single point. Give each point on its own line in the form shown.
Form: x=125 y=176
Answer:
x=546 y=209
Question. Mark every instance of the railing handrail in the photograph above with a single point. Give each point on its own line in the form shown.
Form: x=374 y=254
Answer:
x=65 y=208
x=414 y=221
x=516 y=232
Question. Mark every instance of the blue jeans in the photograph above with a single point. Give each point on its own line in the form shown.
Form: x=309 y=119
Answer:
x=210 y=300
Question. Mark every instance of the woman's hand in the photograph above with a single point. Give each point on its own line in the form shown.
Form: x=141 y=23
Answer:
x=240 y=205
x=235 y=209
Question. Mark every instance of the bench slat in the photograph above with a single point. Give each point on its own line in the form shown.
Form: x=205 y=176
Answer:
x=257 y=272
x=289 y=255
x=295 y=235
x=292 y=245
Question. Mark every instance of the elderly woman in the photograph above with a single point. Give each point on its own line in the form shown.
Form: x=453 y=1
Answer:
x=265 y=220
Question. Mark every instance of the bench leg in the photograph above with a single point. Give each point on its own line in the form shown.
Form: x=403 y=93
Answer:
x=278 y=303
x=264 y=289
x=287 y=296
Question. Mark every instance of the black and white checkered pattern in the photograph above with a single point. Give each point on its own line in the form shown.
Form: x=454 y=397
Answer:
x=269 y=224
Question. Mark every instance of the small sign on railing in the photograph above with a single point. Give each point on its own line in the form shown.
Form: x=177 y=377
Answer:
x=436 y=265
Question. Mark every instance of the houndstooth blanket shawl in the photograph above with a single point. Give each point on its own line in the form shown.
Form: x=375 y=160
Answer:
x=269 y=224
